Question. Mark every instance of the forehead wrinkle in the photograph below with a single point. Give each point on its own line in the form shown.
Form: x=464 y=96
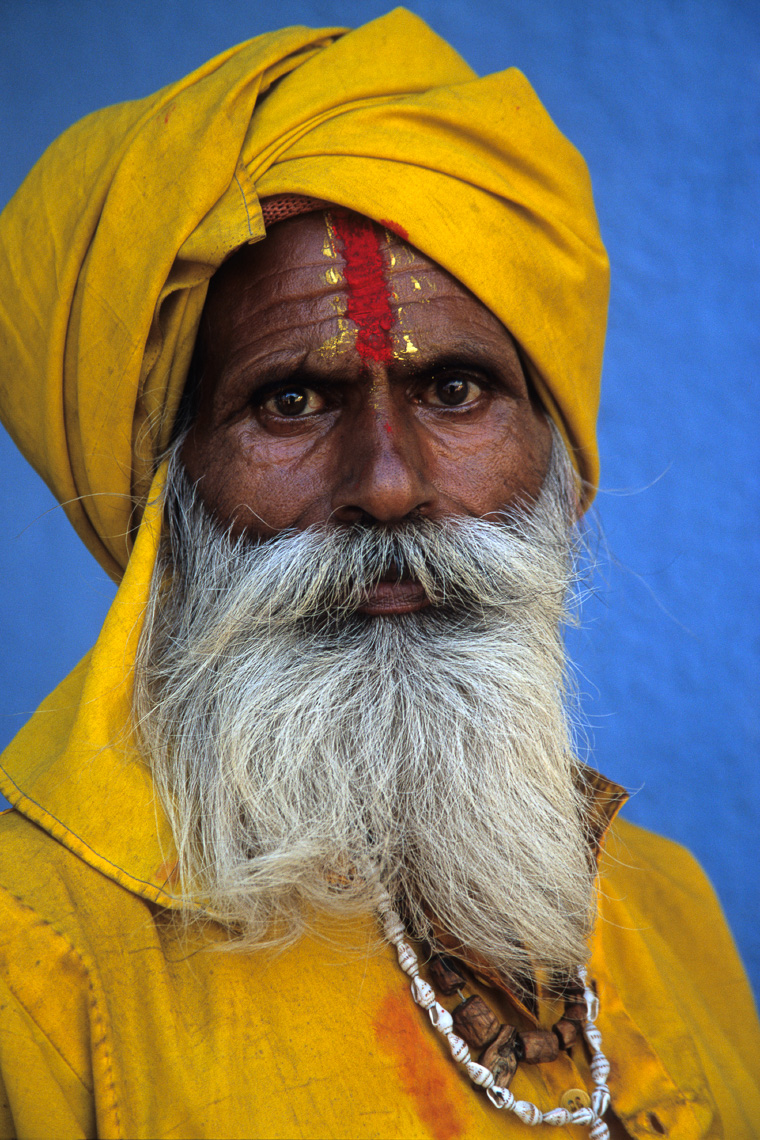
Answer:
x=248 y=354
x=243 y=321
x=479 y=313
x=320 y=289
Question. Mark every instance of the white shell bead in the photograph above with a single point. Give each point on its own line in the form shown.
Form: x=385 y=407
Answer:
x=600 y=1100
x=594 y=1037
x=394 y=928
x=441 y=1018
x=459 y=1049
x=499 y=1097
x=527 y=1112
x=599 y=1131
x=479 y=1074
x=407 y=959
x=557 y=1117
x=582 y=1116
x=600 y=1068
x=422 y=992
x=592 y=1005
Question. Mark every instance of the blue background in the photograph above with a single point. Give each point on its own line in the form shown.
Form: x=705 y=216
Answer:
x=661 y=97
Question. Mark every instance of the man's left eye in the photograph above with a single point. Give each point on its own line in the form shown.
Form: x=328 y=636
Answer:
x=294 y=401
x=452 y=391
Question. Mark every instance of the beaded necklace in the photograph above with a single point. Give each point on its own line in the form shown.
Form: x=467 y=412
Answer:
x=499 y=1096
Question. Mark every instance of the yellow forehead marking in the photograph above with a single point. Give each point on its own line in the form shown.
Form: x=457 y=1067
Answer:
x=403 y=345
x=415 y=283
x=328 y=245
x=346 y=334
x=344 y=337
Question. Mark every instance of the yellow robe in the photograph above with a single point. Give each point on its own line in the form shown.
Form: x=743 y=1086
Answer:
x=114 y=1025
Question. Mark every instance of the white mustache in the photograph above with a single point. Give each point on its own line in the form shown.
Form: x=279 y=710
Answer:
x=461 y=564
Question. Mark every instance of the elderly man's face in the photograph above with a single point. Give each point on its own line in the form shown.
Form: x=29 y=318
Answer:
x=336 y=392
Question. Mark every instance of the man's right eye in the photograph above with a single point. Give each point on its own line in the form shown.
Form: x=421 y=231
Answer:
x=294 y=401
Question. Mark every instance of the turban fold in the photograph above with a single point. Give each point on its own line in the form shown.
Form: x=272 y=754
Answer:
x=107 y=248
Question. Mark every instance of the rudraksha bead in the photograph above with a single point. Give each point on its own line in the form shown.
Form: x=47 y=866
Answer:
x=567 y=1033
x=445 y=975
x=501 y=1056
x=538 y=1046
x=475 y=1022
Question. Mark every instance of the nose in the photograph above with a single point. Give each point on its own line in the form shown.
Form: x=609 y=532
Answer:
x=383 y=476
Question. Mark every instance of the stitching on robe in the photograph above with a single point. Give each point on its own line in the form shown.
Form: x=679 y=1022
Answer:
x=100 y=1020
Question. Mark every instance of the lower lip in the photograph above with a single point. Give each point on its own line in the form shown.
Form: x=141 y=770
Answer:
x=395 y=598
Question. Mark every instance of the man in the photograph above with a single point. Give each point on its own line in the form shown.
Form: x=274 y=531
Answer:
x=310 y=346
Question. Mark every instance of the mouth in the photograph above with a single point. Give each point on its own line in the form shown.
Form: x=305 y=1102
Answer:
x=393 y=595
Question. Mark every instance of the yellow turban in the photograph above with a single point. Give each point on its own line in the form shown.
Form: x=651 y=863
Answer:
x=107 y=248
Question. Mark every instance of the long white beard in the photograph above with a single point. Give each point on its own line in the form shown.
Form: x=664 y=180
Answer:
x=298 y=744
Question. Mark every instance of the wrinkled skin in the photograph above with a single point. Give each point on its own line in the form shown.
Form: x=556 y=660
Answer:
x=296 y=426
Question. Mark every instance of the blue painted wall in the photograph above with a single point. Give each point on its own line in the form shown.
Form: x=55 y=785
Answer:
x=661 y=96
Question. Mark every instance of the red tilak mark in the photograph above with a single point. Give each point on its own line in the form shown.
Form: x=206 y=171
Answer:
x=395 y=228
x=389 y=429
x=368 y=292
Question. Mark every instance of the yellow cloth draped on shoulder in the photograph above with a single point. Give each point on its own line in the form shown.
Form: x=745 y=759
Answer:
x=107 y=248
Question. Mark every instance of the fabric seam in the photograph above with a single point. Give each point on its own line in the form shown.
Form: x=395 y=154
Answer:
x=100 y=1020
x=245 y=204
x=123 y=878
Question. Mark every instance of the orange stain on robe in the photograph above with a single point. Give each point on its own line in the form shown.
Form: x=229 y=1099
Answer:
x=425 y=1074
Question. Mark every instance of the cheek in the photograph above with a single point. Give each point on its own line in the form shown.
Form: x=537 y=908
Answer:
x=258 y=484
x=501 y=463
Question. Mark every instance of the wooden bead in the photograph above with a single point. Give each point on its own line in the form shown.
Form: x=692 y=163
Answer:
x=575 y=1011
x=475 y=1022
x=445 y=975
x=538 y=1046
x=566 y=1032
x=501 y=1056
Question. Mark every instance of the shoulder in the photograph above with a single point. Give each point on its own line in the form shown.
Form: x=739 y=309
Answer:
x=662 y=925
x=648 y=864
x=656 y=887
x=36 y=870
x=42 y=906
x=52 y=899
